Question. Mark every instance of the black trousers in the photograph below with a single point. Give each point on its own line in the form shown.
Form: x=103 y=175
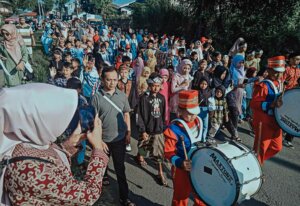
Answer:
x=232 y=124
x=289 y=137
x=118 y=151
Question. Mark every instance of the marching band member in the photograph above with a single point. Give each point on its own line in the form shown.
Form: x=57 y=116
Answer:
x=266 y=96
x=182 y=130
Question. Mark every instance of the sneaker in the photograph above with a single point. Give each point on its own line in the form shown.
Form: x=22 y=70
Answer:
x=128 y=148
x=210 y=141
x=288 y=144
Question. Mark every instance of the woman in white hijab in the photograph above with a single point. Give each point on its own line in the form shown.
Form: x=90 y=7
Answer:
x=32 y=116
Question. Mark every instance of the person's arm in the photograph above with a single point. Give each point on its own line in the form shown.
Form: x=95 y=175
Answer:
x=170 y=148
x=32 y=38
x=141 y=111
x=126 y=114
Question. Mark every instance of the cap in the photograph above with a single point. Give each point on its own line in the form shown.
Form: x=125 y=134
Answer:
x=277 y=63
x=189 y=100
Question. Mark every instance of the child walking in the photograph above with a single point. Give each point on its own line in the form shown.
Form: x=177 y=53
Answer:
x=218 y=112
x=151 y=118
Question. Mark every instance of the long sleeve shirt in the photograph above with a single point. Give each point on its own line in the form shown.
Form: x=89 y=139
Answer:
x=151 y=113
x=31 y=182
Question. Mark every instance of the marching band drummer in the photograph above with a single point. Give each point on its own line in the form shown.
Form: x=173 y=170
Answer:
x=266 y=96
x=188 y=125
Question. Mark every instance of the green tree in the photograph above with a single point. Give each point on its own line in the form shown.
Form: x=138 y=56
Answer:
x=271 y=25
x=104 y=7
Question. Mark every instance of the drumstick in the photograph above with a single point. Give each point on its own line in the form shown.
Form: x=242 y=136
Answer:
x=184 y=149
x=259 y=138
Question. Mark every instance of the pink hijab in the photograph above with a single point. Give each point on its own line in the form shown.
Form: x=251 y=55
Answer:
x=35 y=114
x=13 y=46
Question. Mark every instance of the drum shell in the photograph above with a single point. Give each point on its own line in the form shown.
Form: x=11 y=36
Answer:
x=240 y=170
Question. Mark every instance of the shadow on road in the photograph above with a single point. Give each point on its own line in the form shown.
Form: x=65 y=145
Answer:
x=253 y=202
x=286 y=163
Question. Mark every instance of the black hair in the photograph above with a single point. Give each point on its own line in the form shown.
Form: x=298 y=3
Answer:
x=67 y=42
x=74 y=83
x=170 y=67
x=193 y=53
x=76 y=60
x=181 y=50
x=206 y=45
x=216 y=53
x=67 y=65
x=68 y=54
x=126 y=59
x=150 y=41
x=106 y=70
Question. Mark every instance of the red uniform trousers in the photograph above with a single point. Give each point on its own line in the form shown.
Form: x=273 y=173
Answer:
x=183 y=189
x=271 y=140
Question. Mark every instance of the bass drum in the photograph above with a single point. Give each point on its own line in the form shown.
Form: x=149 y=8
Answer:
x=224 y=174
x=288 y=115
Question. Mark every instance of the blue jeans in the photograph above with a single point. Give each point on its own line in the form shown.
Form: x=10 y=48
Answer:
x=204 y=116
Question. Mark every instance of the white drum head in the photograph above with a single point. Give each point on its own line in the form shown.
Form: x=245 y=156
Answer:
x=213 y=178
x=288 y=115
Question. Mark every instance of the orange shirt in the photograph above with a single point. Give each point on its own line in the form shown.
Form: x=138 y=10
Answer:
x=291 y=74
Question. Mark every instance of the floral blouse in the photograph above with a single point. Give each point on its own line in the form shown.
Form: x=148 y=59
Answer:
x=30 y=182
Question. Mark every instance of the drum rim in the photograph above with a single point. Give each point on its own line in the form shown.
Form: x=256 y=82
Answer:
x=236 y=178
x=277 y=115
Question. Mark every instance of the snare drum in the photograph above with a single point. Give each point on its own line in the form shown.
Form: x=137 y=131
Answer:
x=224 y=174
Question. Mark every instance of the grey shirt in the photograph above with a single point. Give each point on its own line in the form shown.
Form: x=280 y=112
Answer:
x=114 y=127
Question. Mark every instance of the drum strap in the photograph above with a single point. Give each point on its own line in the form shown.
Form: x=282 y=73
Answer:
x=276 y=89
x=192 y=137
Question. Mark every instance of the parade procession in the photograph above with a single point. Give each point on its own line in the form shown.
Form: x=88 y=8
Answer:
x=99 y=107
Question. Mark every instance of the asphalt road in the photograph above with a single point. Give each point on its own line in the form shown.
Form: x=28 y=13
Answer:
x=281 y=186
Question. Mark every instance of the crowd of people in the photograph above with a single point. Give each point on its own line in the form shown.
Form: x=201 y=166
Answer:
x=153 y=81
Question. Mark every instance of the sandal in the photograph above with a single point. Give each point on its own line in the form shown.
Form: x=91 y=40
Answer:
x=140 y=161
x=237 y=139
x=127 y=202
x=162 y=180
x=105 y=181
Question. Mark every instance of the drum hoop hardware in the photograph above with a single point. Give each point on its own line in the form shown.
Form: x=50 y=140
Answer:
x=238 y=146
x=251 y=180
x=239 y=156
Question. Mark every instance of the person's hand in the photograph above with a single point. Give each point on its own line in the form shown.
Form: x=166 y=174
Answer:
x=73 y=141
x=33 y=44
x=105 y=147
x=20 y=66
x=52 y=72
x=128 y=137
x=145 y=136
x=95 y=137
x=184 y=83
x=85 y=60
x=3 y=58
x=277 y=103
x=187 y=165
x=260 y=78
x=226 y=118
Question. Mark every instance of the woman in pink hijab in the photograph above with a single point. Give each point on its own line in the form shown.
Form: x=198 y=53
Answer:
x=165 y=91
x=14 y=55
x=37 y=171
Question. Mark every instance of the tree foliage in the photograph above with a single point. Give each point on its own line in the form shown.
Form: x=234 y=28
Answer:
x=32 y=4
x=268 y=24
x=103 y=6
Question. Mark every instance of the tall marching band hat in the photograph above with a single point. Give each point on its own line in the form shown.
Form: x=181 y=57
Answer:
x=277 y=63
x=189 y=100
